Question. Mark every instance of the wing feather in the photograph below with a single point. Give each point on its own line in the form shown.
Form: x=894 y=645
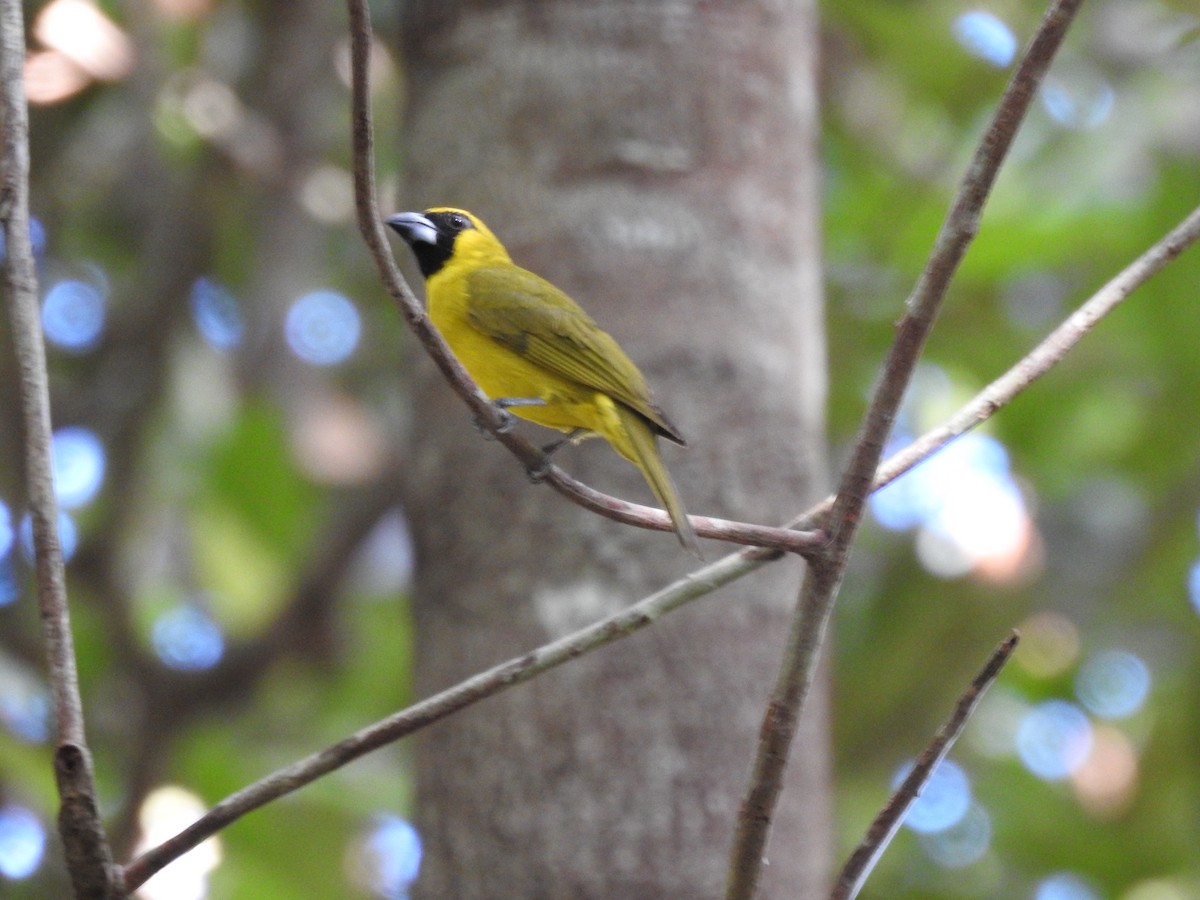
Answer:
x=533 y=318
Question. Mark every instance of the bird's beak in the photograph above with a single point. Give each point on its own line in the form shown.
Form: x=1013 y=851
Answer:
x=415 y=228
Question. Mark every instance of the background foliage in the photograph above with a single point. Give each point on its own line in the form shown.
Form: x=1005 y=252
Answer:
x=194 y=177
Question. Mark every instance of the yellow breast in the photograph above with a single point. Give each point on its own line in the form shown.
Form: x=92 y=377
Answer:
x=502 y=373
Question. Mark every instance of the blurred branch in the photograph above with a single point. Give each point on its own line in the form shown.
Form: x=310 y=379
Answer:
x=486 y=684
x=492 y=418
x=85 y=845
x=302 y=629
x=824 y=576
x=858 y=867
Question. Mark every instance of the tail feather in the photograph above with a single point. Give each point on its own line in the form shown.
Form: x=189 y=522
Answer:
x=641 y=449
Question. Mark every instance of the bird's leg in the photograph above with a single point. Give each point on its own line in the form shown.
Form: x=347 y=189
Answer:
x=571 y=437
x=506 y=402
x=538 y=475
x=507 y=420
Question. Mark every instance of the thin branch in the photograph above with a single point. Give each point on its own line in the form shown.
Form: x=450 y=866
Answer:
x=825 y=574
x=883 y=829
x=486 y=684
x=1040 y=360
x=486 y=413
x=86 y=847
x=21 y=281
x=1047 y=354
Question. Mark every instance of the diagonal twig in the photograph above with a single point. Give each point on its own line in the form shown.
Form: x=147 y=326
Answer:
x=824 y=576
x=858 y=867
x=505 y=675
x=89 y=859
x=1047 y=354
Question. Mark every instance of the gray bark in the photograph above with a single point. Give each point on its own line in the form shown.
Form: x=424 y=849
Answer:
x=658 y=162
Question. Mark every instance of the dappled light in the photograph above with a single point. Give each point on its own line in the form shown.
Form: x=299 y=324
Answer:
x=217 y=314
x=165 y=811
x=1054 y=739
x=943 y=801
x=73 y=315
x=22 y=842
x=322 y=328
x=986 y=36
x=78 y=458
x=1064 y=886
x=186 y=638
x=962 y=844
x=385 y=859
x=964 y=503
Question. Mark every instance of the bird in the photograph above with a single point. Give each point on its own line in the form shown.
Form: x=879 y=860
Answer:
x=533 y=350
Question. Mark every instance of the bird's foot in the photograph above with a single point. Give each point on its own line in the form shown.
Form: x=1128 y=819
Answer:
x=507 y=422
x=540 y=472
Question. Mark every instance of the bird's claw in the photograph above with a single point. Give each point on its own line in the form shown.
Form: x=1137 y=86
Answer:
x=539 y=473
x=505 y=425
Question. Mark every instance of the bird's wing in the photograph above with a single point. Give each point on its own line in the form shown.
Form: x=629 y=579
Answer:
x=533 y=318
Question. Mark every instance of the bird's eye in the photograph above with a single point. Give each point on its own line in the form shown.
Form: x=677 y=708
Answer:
x=459 y=222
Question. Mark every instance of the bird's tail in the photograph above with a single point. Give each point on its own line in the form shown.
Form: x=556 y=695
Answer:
x=641 y=449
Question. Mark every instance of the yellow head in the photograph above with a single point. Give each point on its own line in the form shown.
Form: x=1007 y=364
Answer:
x=443 y=232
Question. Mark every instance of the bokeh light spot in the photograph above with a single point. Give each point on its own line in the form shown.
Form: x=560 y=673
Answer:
x=986 y=37
x=1113 y=684
x=22 y=842
x=1054 y=739
x=1079 y=101
x=385 y=559
x=1193 y=582
x=963 y=843
x=73 y=315
x=185 y=638
x=82 y=33
x=25 y=709
x=322 y=328
x=992 y=730
x=327 y=194
x=1049 y=645
x=9 y=590
x=217 y=314
x=6 y=529
x=78 y=457
x=68 y=536
x=164 y=813
x=969 y=508
x=943 y=800
x=1106 y=783
x=1064 y=886
x=37 y=238
x=387 y=859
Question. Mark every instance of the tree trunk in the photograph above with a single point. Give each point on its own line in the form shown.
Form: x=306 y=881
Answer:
x=658 y=162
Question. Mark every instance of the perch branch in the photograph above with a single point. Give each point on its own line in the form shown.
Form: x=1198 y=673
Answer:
x=493 y=420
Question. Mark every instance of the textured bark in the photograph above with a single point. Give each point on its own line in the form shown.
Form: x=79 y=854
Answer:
x=658 y=162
